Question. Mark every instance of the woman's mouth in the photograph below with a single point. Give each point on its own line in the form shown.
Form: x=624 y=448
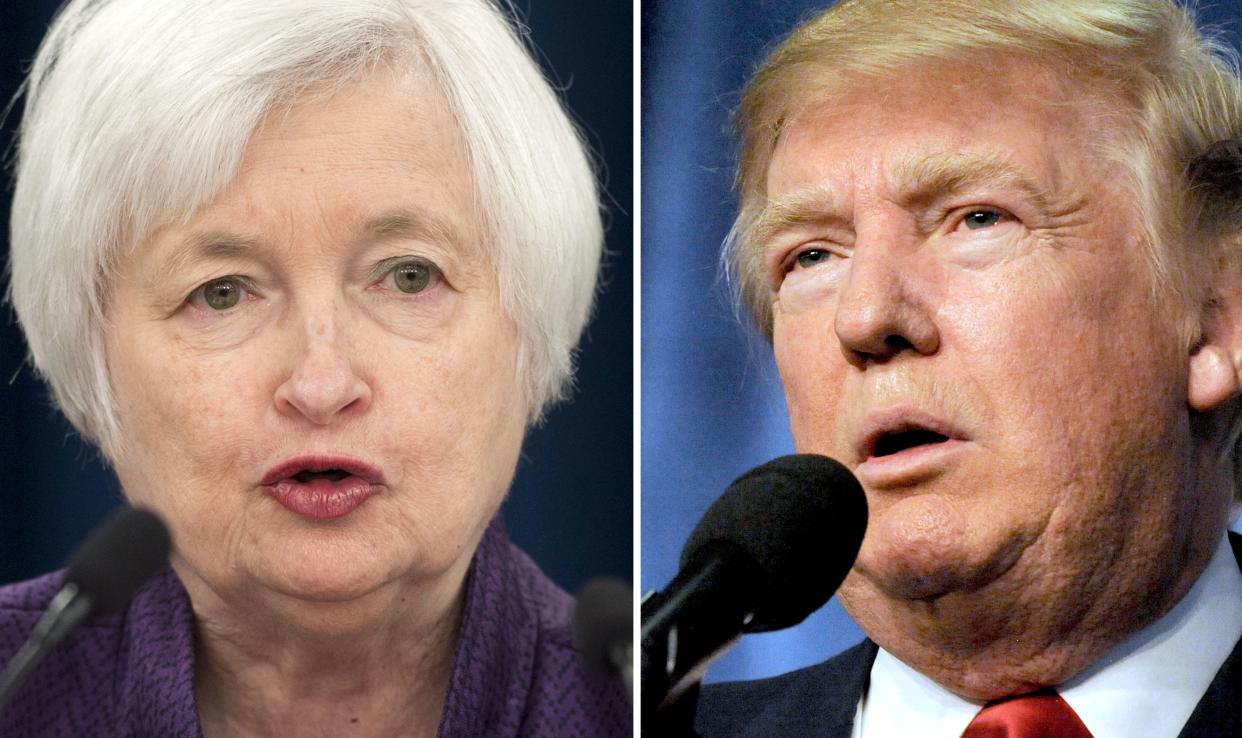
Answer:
x=322 y=488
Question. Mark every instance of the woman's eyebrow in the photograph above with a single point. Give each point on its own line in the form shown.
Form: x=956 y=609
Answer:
x=412 y=223
x=205 y=246
x=395 y=223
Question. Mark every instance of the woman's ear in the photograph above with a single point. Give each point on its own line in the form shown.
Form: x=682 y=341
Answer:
x=1216 y=363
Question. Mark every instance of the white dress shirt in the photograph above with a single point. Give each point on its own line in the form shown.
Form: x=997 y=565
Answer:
x=1147 y=686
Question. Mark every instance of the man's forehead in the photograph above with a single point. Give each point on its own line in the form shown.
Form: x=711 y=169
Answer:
x=999 y=83
x=1004 y=76
x=941 y=124
x=919 y=177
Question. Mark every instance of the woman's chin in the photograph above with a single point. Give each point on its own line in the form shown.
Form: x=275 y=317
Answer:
x=316 y=572
x=324 y=586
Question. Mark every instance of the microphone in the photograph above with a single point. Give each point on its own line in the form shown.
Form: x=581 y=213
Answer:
x=105 y=572
x=769 y=552
x=603 y=628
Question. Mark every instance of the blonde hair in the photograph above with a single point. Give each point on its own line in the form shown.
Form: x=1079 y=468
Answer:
x=138 y=111
x=1174 y=92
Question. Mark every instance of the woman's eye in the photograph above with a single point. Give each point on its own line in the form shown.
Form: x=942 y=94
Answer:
x=414 y=275
x=222 y=294
x=977 y=219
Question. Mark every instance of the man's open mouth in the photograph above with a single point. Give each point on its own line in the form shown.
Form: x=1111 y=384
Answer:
x=896 y=442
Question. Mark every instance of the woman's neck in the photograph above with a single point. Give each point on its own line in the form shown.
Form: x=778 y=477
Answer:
x=375 y=667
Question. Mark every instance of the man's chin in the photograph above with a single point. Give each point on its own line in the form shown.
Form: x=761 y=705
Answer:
x=916 y=552
x=907 y=584
x=927 y=575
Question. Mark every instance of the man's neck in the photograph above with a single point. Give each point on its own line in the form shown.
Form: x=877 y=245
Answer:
x=1147 y=685
x=1009 y=638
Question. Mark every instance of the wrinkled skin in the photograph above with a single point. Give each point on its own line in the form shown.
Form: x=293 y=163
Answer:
x=298 y=617
x=954 y=253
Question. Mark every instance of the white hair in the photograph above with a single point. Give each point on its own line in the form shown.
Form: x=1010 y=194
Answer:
x=137 y=112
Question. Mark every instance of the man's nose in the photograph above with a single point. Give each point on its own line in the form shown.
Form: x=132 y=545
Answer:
x=324 y=380
x=881 y=310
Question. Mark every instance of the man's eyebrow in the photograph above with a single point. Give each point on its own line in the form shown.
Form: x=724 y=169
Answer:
x=922 y=181
x=917 y=182
x=792 y=209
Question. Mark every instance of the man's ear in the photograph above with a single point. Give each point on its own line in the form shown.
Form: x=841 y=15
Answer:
x=1216 y=363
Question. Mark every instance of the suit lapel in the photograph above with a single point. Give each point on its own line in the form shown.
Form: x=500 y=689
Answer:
x=816 y=702
x=837 y=695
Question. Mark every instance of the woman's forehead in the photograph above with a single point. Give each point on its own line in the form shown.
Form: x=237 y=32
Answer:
x=381 y=159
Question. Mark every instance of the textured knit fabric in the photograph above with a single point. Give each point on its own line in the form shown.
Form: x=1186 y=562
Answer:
x=132 y=675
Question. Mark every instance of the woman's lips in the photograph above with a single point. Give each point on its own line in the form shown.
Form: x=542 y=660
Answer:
x=322 y=499
x=322 y=486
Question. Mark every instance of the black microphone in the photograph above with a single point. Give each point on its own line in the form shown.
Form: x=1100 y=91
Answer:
x=769 y=552
x=104 y=574
x=603 y=628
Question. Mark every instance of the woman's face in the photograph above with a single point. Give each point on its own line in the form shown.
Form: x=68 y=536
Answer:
x=314 y=376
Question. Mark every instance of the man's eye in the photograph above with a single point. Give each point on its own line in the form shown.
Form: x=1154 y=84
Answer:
x=221 y=294
x=811 y=257
x=414 y=275
x=977 y=219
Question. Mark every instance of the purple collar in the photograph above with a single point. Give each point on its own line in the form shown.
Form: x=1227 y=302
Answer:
x=515 y=672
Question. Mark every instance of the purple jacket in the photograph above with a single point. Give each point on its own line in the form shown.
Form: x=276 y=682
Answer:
x=515 y=673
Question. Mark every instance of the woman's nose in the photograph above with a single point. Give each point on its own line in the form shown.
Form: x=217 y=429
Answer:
x=323 y=382
x=879 y=313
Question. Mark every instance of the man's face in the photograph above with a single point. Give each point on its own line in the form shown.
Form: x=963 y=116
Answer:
x=964 y=317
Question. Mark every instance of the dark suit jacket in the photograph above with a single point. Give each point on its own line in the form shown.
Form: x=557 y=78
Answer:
x=821 y=700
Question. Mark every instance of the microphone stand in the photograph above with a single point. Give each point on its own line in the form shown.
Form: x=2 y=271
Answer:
x=696 y=618
x=675 y=719
x=66 y=611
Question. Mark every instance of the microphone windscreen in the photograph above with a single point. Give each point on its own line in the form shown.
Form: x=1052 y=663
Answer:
x=129 y=547
x=603 y=618
x=800 y=520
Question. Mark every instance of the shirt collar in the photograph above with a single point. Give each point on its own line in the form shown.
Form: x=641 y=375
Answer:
x=1147 y=685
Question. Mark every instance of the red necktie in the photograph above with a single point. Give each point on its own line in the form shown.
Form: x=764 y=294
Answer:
x=1040 y=714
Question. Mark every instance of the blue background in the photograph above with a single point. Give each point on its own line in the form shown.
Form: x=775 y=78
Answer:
x=571 y=506
x=712 y=405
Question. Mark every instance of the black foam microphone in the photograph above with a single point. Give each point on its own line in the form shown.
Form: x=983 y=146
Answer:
x=104 y=574
x=769 y=552
x=603 y=627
